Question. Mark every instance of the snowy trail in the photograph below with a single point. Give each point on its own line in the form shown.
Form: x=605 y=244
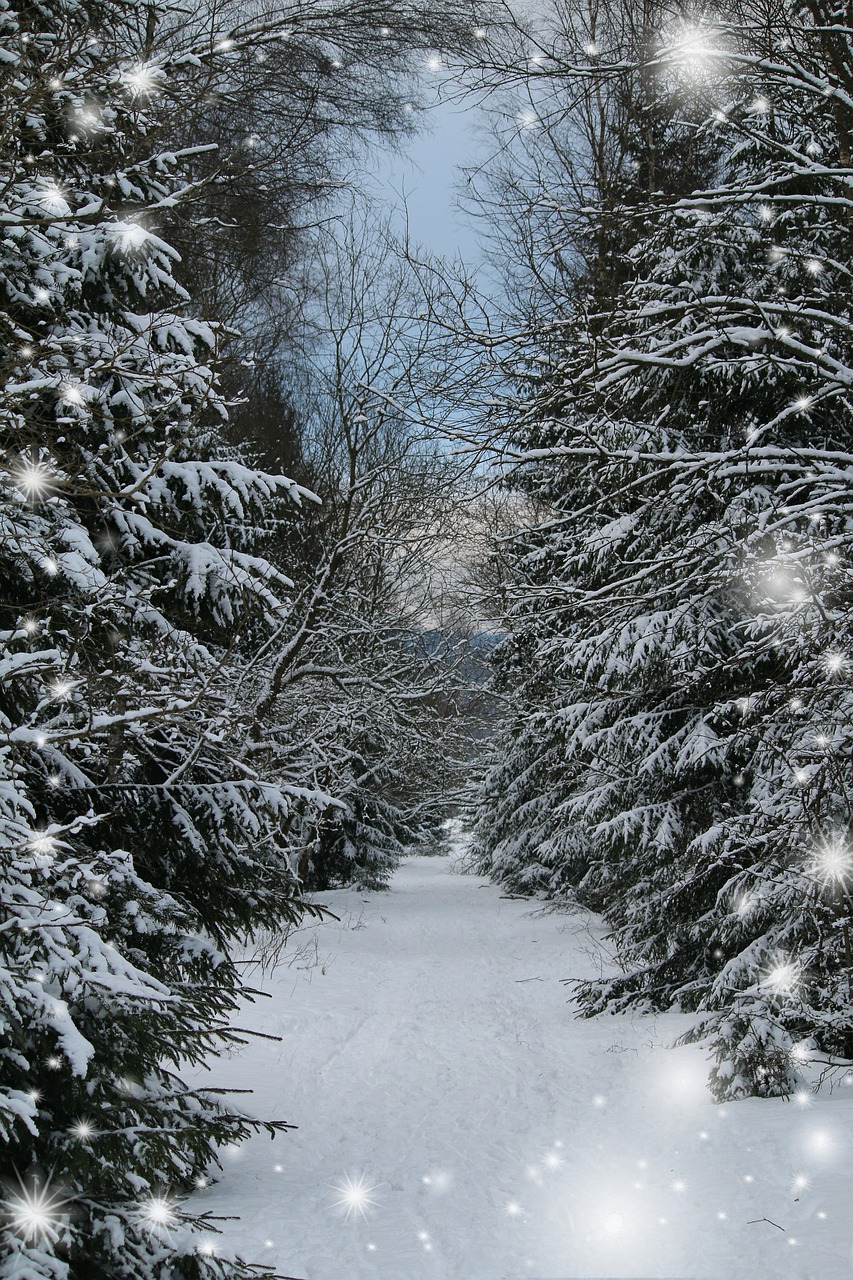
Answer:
x=431 y=1051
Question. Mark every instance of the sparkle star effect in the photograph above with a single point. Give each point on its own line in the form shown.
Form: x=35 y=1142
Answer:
x=143 y=80
x=34 y=1213
x=833 y=862
x=783 y=976
x=691 y=50
x=71 y=393
x=53 y=199
x=159 y=1214
x=33 y=478
x=355 y=1196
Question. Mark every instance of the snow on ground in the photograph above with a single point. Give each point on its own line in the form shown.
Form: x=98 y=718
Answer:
x=428 y=1052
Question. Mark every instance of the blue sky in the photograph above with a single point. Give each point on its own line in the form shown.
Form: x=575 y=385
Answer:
x=425 y=177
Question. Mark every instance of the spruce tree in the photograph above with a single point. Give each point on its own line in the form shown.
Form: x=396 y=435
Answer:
x=135 y=844
x=747 y=286
x=692 y=569
x=593 y=206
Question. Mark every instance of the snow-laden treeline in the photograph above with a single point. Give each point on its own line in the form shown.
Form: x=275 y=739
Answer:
x=210 y=687
x=677 y=600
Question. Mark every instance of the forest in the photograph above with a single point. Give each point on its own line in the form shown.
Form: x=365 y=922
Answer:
x=342 y=580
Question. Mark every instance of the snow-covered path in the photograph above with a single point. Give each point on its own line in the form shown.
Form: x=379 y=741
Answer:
x=429 y=1050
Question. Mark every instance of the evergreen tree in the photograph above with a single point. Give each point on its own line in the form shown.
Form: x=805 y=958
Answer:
x=700 y=450
x=591 y=208
x=747 y=286
x=135 y=844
